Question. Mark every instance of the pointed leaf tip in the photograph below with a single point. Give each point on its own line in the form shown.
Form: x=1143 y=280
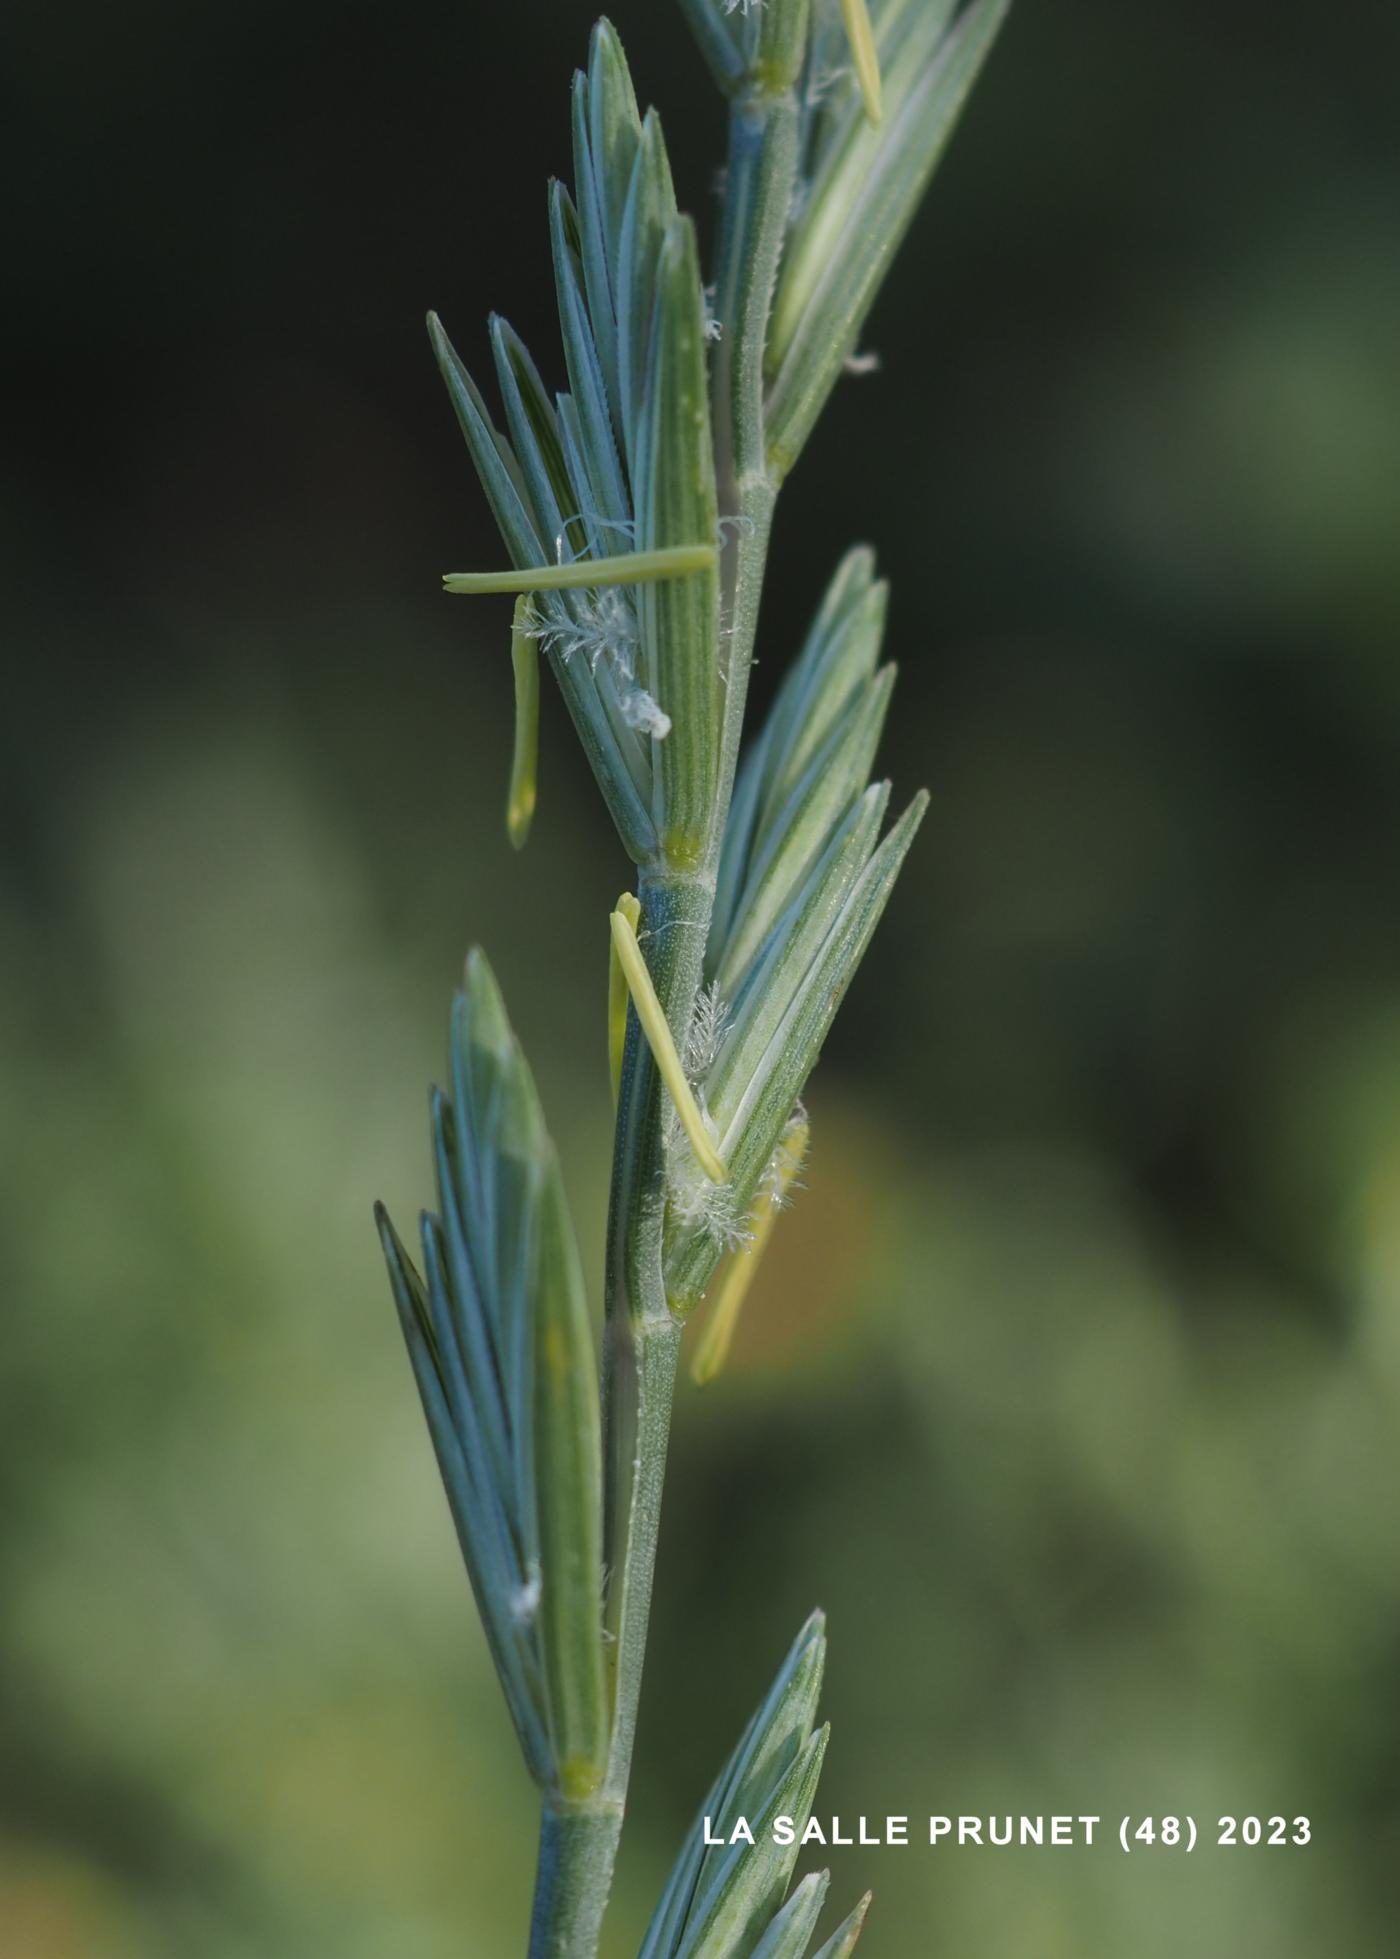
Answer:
x=715 y=1890
x=790 y=1930
x=842 y=1942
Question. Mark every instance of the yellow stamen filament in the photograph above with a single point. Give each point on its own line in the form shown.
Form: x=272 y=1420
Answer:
x=525 y=658
x=663 y=1048
x=591 y=574
x=713 y=1349
x=631 y=909
x=862 y=39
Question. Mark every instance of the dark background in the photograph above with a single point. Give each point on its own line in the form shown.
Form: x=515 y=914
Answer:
x=1070 y=1387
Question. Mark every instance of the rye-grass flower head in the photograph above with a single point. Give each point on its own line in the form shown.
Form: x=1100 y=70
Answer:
x=634 y=507
x=609 y=485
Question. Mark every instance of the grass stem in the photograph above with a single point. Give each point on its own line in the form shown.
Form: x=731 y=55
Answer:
x=578 y=1846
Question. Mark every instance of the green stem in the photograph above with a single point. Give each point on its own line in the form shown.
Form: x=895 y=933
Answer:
x=641 y=1348
x=578 y=1845
x=654 y=1355
x=641 y=1339
x=641 y=1342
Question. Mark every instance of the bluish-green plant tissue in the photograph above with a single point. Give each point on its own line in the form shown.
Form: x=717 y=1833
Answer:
x=634 y=509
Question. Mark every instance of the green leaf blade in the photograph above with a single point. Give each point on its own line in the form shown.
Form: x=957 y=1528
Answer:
x=677 y=504
x=791 y=1930
x=751 y=1879
x=587 y=379
x=482 y=1543
x=647 y=218
x=569 y=1497
x=781 y=964
x=607 y=131
x=534 y=433
x=495 y=462
x=752 y=1093
x=842 y=1942
x=801 y=829
x=840 y=651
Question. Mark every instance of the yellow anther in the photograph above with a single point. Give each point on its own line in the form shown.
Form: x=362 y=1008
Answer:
x=590 y=574
x=862 y=39
x=630 y=907
x=663 y=1048
x=713 y=1350
x=525 y=658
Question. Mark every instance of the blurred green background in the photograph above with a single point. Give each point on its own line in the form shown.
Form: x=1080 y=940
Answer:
x=1070 y=1387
